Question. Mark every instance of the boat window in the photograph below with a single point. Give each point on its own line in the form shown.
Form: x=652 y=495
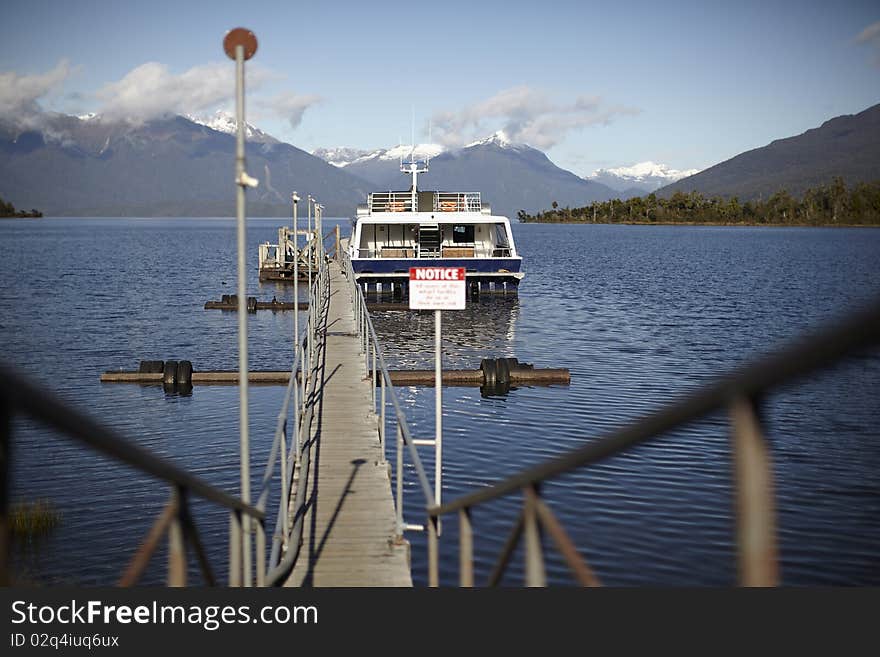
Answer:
x=462 y=234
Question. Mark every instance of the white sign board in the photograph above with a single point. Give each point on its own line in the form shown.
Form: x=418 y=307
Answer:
x=437 y=288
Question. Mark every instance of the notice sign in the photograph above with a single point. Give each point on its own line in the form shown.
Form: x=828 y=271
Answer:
x=437 y=288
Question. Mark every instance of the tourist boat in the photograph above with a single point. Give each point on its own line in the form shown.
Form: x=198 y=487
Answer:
x=394 y=231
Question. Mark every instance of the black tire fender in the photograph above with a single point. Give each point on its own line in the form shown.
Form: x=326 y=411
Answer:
x=169 y=374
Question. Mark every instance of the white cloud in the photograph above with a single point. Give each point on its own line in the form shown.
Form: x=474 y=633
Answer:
x=871 y=35
x=289 y=106
x=525 y=115
x=20 y=94
x=151 y=91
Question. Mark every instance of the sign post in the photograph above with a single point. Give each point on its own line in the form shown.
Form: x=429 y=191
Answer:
x=437 y=289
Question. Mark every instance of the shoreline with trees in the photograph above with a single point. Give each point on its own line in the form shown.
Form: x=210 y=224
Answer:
x=8 y=211
x=830 y=205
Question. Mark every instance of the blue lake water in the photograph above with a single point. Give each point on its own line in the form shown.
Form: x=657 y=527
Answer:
x=639 y=314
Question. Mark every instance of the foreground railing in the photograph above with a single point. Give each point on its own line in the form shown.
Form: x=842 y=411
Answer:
x=18 y=395
x=174 y=521
x=740 y=393
x=289 y=525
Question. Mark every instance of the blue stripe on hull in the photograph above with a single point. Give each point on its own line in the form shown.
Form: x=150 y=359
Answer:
x=401 y=266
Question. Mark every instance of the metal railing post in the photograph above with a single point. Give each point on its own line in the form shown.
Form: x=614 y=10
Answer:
x=373 y=376
x=176 y=547
x=295 y=199
x=234 y=548
x=284 y=492
x=382 y=422
x=399 y=480
x=755 y=512
x=303 y=375
x=466 y=549
x=535 y=574
x=433 y=553
x=260 y=561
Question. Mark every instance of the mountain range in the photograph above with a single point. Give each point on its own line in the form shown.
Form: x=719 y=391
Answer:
x=509 y=176
x=182 y=166
x=165 y=167
x=846 y=146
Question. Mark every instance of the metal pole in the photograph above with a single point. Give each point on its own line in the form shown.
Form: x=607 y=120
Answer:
x=284 y=492
x=295 y=198
x=399 y=480
x=438 y=412
x=310 y=246
x=382 y=422
x=242 y=315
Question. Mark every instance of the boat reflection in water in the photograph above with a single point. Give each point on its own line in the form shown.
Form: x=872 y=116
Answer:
x=484 y=329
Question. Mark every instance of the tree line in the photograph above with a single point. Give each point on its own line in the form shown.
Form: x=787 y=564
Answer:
x=833 y=204
x=8 y=210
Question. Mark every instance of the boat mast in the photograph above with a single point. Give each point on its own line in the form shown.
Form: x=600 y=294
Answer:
x=415 y=168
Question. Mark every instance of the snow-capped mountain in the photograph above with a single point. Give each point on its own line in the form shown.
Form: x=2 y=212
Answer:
x=343 y=157
x=510 y=176
x=169 y=166
x=648 y=176
x=498 y=138
x=223 y=121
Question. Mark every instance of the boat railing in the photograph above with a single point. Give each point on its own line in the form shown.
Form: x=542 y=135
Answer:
x=457 y=202
x=441 y=202
x=390 y=202
x=740 y=393
x=382 y=391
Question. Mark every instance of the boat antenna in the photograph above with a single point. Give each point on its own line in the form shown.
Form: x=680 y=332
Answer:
x=430 y=142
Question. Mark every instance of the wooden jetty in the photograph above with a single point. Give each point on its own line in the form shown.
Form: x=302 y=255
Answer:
x=349 y=524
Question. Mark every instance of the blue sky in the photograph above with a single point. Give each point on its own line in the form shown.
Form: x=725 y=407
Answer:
x=594 y=84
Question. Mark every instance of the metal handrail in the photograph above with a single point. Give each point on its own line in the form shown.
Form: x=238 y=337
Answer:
x=371 y=348
x=17 y=393
x=740 y=392
x=287 y=536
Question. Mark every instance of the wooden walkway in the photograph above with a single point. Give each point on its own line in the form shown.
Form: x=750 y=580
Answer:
x=349 y=527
